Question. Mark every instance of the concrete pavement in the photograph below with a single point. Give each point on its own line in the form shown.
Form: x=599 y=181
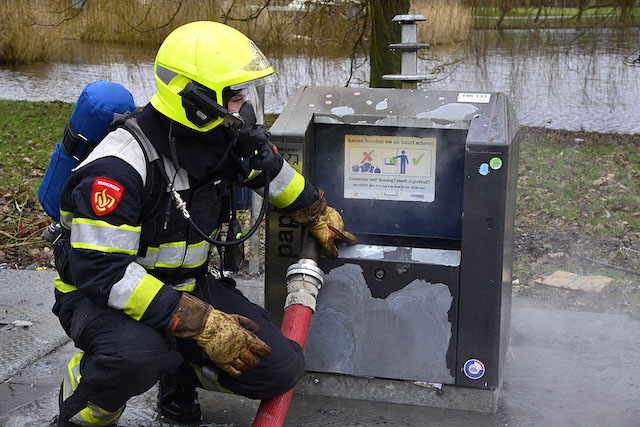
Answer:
x=563 y=368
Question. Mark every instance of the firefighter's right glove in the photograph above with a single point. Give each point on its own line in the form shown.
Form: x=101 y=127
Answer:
x=228 y=339
x=325 y=224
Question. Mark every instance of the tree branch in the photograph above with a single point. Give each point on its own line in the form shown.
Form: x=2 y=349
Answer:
x=165 y=24
x=358 y=42
x=146 y=15
x=227 y=17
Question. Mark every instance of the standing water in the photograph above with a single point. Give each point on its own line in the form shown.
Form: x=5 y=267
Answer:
x=560 y=79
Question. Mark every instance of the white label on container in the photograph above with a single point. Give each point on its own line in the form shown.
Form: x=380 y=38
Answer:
x=478 y=98
x=381 y=167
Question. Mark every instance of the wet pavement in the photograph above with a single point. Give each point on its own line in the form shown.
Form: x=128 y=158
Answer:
x=564 y=368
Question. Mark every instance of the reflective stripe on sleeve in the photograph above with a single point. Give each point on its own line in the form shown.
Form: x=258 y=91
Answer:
x=101 y=236
x=285 y=188
x=134 y=292
x=65 y=219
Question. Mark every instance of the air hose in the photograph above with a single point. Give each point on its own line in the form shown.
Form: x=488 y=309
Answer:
x=181 y=206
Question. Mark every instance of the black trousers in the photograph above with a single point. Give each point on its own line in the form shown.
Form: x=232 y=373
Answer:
x=124 y=358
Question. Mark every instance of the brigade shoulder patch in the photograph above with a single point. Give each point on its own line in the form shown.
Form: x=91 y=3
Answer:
x=105 y=195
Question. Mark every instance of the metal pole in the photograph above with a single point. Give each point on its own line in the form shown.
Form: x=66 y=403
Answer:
x=256 y=203
x=409 y=60
x=409 y=47
x=254 y=241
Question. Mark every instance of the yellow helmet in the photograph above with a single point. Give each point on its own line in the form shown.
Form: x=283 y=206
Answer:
x=196 y=63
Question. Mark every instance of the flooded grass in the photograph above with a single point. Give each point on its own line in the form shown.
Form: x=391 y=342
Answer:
x=137 y=22
x=21 y=39
x=324 y=29
x=39 y=30
x=447 y=21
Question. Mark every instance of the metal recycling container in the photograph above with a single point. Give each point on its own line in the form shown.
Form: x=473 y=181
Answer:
x=427 y=182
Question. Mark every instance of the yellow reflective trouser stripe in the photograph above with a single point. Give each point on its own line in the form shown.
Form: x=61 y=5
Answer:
x=134 y=292
x=101 y=236
x=290 y=193
x=92 y=414
x=186 y=287
x=209 y=378
x=62 y=286
x=72 y=376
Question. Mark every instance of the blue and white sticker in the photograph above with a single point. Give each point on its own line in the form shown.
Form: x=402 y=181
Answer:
x=474 y=369
x=483 y=169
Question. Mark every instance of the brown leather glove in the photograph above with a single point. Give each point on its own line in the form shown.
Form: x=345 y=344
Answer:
x=325 y=224
x=228 y=339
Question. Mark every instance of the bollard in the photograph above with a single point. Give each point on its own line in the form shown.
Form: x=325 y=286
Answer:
x=409 y=48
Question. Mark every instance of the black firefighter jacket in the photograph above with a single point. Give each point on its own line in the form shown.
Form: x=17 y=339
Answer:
x=126 y=245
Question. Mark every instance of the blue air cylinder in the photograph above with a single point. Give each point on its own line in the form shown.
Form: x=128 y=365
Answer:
x=89 y=123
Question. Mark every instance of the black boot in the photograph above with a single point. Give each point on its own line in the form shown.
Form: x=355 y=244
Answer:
x=177 y=400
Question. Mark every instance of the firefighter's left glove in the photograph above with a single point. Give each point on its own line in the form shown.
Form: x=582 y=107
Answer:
x=325 y=224
x=228 y=339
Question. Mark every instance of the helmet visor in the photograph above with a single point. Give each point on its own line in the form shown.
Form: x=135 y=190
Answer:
x=271 y=78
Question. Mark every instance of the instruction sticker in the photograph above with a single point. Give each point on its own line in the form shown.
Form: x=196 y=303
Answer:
x=401 y=168
x=476 y=98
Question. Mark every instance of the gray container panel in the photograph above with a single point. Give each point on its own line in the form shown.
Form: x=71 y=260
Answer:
x=406 y=334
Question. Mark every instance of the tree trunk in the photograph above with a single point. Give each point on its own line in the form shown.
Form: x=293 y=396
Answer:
x=503 y=12
x=625 y=15
x=579 y=15
x=383 y=33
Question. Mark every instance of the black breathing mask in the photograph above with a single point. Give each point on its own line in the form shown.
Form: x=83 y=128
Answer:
x=253 y=141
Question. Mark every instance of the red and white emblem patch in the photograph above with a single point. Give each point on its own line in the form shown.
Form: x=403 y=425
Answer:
x=105 y=195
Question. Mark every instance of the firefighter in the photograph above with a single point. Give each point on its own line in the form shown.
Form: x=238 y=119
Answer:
x=134 y=289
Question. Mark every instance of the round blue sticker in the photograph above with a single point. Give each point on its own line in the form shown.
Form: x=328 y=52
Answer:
x=474 y=369
x=483 y=169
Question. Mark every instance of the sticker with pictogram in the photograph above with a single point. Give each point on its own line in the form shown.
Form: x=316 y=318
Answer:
x=105 y=195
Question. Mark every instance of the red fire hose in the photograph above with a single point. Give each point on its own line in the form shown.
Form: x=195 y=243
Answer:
x=295 y=326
